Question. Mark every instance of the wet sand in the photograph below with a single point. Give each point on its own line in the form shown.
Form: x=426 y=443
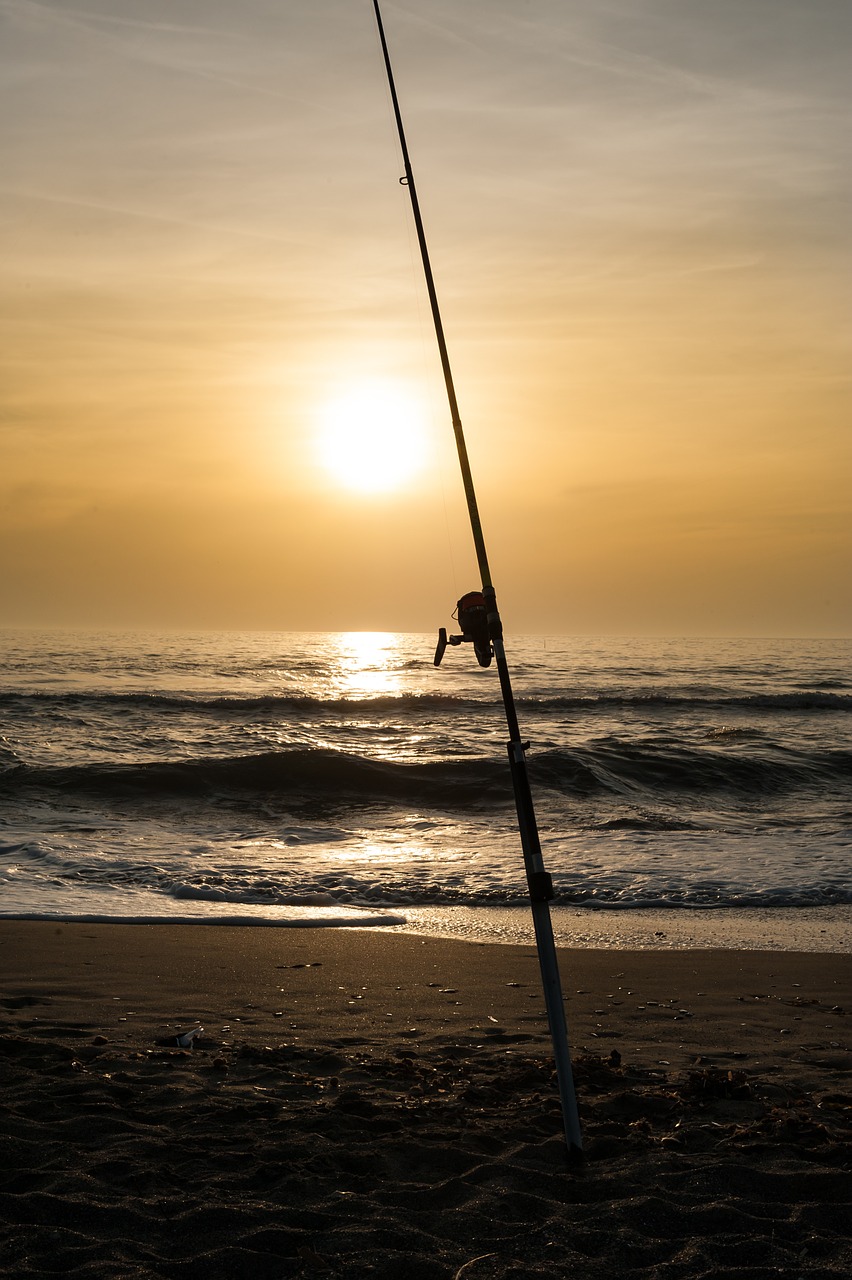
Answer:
x=366 y=1104
x=643 y=929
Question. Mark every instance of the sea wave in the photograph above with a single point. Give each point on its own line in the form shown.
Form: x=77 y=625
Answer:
x=632 y=897
x=407 y=703
x=311 y=772
x=609 y=766
x=256 y=897
x=110 y=896
x=705 y=898
x=277 y=704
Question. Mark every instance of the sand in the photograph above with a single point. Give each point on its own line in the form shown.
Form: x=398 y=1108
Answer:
x=365 y=1104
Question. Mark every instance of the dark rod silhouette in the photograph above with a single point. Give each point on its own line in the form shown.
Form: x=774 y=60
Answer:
x=538 y=880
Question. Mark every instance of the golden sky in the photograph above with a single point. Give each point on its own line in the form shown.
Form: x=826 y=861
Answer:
x=640 y=224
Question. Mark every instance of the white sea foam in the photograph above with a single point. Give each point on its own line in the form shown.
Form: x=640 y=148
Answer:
x=130 y=906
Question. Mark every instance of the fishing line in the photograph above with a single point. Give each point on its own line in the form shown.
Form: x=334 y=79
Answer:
x=436 y=409
x=435 y=414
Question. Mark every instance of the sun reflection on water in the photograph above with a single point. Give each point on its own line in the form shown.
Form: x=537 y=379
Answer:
x=369 y=663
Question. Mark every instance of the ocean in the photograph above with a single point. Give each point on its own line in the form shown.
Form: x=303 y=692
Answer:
x=340 y=778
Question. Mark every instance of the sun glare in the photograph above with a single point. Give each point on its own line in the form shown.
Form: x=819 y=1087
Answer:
x=373 y=437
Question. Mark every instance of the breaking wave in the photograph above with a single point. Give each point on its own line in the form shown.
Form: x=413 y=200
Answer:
x=349 y=779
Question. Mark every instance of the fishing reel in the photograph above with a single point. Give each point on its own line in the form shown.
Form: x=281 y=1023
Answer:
x=472 y=617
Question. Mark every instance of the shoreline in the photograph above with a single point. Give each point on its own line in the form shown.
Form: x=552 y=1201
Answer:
x=818 y=930
x=810 y=929
x=379 y=1103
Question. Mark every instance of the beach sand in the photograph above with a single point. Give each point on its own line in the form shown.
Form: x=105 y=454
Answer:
x=366 y=1104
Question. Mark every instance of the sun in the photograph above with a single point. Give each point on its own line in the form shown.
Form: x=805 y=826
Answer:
x=372 y=437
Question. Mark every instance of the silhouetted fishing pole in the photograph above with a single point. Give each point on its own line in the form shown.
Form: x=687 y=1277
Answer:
x=490 y=633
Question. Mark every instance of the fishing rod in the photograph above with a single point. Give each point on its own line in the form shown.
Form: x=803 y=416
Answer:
x=539 y=882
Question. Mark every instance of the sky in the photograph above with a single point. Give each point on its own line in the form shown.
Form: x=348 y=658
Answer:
x=640 y=225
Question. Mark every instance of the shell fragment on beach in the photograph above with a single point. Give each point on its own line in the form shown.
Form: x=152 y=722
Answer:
x=185 y=1041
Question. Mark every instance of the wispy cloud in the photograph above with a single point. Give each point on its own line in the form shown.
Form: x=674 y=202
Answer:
x=148 y=215
x=188 y=60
